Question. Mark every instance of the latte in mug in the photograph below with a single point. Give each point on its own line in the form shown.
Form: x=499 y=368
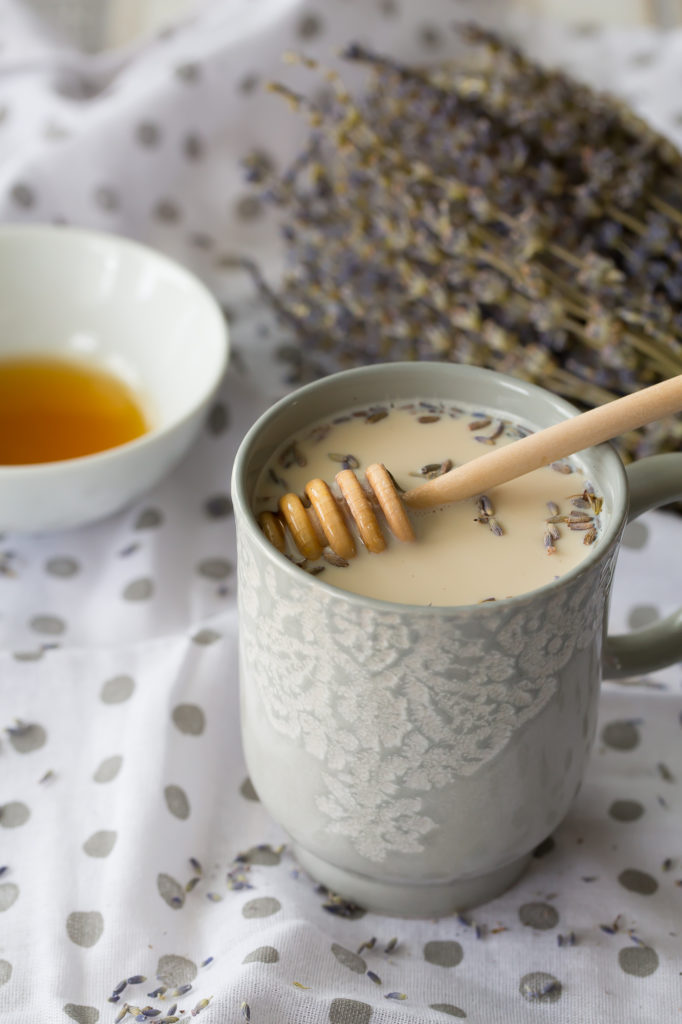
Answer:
x=518 y=537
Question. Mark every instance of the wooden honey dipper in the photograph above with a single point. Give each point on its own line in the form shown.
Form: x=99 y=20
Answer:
x=324 y=522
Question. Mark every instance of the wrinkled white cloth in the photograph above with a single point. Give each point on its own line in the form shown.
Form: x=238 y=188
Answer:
x=121 y=776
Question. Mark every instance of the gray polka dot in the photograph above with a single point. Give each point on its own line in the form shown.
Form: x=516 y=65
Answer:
x=388 y=7
x=638 y=881
x=218 y=419
x=620 y=735
x=76 y=87
x=248 y=84
x=107 y=198
x=167 y=211
x=263 y=906
x=189 y=72
x=81 y=1014
x=626 y=810
x=193 y=146
x=139 y=590
x=29 y=737
x=148 y=134
x=117 y=689
x=643 y=615
x=49 y=625
x=100 y=844
x=349 y=1011
x=170 y=891
x=349 y=959
x=248 y=208
x=189 y=718
x=85 y=927
x=452 y=1011
x=538 y=915
x=214 y=568
x=218 y=506
x=443 y=954
x=176 y=970
x=430 y=37
x=14 y=814
x=263 y=854
x=638 y=960
x=201 y=240
x=586 y=29
x=23 y=195
x=5 y=971
x=205 y=637
x=262 y=955
x=247 y=790
x=55 y=132
x=9 y=893
x=28 y=655
x=62 y=567
x=539 y=987
x=177 y=802
x=309 y=26
x=636 y=535
x=108 y=769
x=643 y=59
x=149 y=519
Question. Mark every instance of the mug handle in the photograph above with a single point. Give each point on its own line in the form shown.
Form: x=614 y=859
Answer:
x=653 y=481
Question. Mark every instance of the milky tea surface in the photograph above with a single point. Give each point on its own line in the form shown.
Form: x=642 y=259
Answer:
x=519 y=536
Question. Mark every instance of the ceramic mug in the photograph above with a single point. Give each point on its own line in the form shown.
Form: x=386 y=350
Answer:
x=417 y=755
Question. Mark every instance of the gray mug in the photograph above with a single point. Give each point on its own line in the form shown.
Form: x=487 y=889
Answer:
x=417 y=755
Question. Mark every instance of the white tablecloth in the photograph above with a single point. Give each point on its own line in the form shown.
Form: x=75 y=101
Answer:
x=131 y=841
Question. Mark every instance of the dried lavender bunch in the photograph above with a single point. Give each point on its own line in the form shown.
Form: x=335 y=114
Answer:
x=490 y=212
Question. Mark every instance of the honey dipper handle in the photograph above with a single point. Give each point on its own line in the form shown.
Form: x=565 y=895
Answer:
x=548 y=445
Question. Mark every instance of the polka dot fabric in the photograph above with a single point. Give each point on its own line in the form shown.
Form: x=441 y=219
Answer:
x=137 y=865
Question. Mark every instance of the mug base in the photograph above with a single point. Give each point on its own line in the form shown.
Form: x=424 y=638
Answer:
x=404 y=899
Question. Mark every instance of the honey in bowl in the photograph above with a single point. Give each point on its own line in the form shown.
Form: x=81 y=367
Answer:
x=53 y=409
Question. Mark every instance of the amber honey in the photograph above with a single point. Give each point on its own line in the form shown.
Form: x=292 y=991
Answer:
x=53 y=409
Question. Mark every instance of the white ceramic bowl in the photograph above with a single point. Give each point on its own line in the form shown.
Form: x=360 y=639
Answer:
x=129 y=310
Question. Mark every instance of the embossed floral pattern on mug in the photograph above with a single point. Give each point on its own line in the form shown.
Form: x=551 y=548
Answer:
x=393 y=708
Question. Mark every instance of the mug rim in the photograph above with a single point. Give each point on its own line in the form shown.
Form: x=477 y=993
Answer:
x=611 y=531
